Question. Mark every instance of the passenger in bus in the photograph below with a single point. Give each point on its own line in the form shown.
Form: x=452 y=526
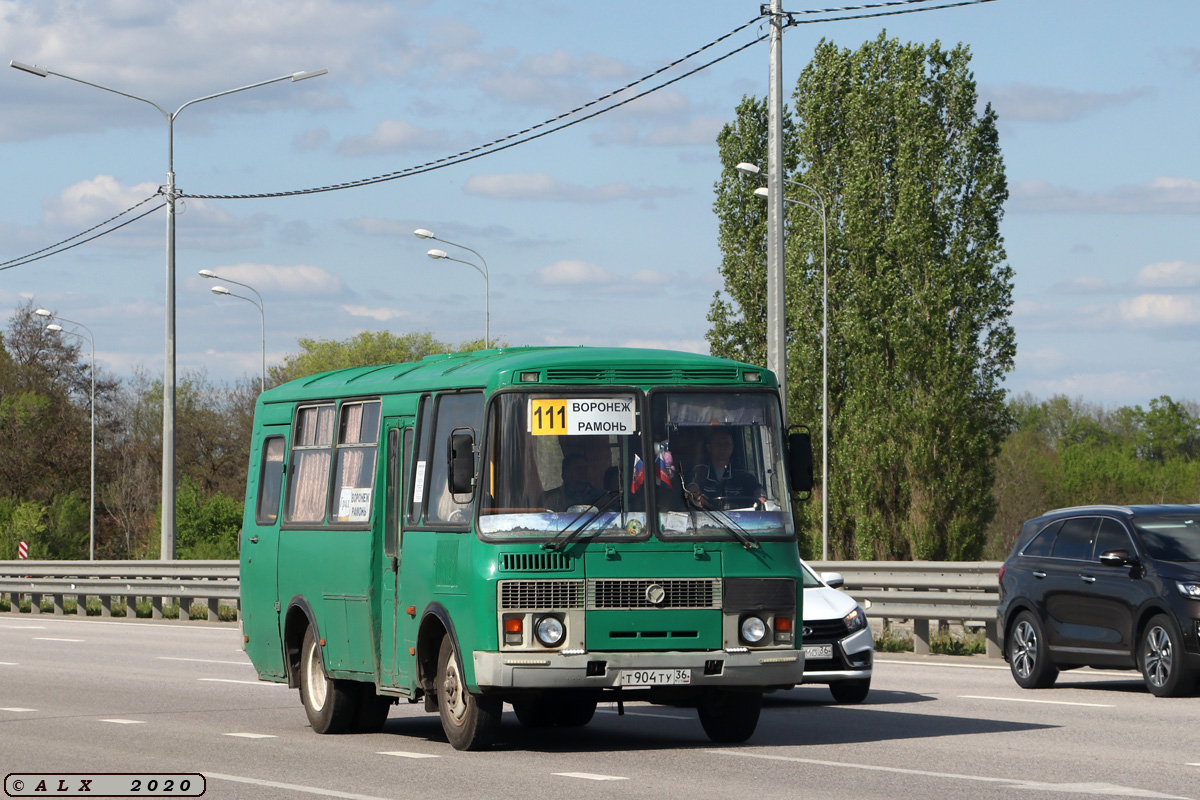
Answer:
x=576 y=489
x=717 y=483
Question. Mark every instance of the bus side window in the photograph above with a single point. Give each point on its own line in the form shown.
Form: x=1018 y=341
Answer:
x=417 y=480
x=312 y=451
x=454 y=411
x=270 y=481
x=354 y=479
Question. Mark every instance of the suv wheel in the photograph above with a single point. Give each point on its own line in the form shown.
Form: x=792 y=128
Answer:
x=1160 y=658
x=1028 y=656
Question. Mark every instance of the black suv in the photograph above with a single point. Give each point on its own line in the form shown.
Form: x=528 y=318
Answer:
x=1105 y=586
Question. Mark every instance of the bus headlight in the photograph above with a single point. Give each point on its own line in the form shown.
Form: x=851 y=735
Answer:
x=550 y=631
x=753 y=630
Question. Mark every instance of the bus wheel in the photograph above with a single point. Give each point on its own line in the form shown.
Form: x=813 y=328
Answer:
x=729 y=717
x=329 y=704
x=471 y=722
x=576 y=712
x=536 y=712
x=372 y=710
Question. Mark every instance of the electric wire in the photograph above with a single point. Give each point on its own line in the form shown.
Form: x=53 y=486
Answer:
x=57 y=248
x=533 y=132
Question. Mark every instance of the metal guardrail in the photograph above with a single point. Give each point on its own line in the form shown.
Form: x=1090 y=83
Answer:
x=920 y=591
x=925 y=591
x=207 y=582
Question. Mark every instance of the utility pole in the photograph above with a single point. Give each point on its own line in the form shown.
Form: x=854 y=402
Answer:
x=776 y=285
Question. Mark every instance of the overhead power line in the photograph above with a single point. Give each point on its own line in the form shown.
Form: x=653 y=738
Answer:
x=533 y=132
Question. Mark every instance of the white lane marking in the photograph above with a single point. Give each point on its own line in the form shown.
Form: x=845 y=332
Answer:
x=1088 y=673
x=18 y=710
x=125 y=721
x=52 y=639
x=252 y=735
x=405 y=754
x=1027 y=700
x=9 y=664
x=587 y=776
x=203 y=660
x=1075 y=788
x=248 y=683
x=24 y=627
x=292 y=787
x=637 y=714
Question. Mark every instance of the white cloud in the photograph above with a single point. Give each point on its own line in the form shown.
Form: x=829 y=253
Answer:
x=684 y=345
x=88 y=202
x=1163 y=195
x=299 y=280
x=1161 y=310
x=394 y=136
x=650 y=277
x=1026 y=103
x=1083 y=284
x=380 y=314
x=1168 y=274
x=572 y=272
x=541 y=186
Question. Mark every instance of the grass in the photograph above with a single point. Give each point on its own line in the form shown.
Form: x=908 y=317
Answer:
x=944 y=642
x=119 y=608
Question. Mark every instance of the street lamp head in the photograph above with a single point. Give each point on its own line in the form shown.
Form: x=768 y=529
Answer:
x=207 y=273
x=437 y=254
x=41 y=312
x=762 y=191
x=303 y=76
x=421 y=233
x=219 y=290
x=54 y=326
x=32 y=69
x=748 y=168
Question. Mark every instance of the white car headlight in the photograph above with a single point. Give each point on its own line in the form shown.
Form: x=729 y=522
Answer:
x=855 y=620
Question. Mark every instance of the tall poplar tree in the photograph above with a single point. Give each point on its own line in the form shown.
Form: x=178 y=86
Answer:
x=910 y=170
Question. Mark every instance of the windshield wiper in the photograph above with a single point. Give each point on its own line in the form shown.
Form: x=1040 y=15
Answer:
x=567 y=535
x=724 y=520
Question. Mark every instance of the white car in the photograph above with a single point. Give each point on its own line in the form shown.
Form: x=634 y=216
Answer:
x=837 y=641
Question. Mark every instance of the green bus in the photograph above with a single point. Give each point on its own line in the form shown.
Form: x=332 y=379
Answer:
x=544 y=527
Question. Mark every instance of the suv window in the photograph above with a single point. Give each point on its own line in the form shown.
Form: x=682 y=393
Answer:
x=1075 y=539
x=1043 y=543
x=1112 y=536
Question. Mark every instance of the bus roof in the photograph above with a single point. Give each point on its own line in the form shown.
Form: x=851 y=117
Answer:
x=492 y=369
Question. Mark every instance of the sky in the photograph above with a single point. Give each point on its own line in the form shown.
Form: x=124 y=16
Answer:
x=599 y=233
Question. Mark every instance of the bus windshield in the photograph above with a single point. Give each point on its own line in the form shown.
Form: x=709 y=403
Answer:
x=583 y=466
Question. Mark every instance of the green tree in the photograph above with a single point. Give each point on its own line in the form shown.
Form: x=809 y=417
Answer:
x=913 y=181
x=368 y=347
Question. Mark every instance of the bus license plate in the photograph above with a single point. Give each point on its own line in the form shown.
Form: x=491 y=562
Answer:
x=655 y=677
x=818 y=651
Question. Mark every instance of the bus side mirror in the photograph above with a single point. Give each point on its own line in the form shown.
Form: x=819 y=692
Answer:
x=800 y=461
x=461 y=472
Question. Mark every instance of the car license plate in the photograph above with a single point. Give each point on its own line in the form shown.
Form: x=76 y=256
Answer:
x=655 y=677
x=818 y=651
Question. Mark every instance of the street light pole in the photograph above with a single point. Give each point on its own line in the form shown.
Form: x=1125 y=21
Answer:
x=207 y=273
x=221 y=290
x=422 y=233
x=751 y=169
x=167 y=549
x=41 y=312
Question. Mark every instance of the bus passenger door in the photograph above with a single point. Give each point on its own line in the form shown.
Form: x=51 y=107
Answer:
x=395 y=668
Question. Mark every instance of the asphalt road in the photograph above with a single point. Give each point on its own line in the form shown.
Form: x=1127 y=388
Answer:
x=93 y=696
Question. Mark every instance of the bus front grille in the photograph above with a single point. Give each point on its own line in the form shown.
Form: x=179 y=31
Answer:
x=541 y=594
x=649 y=593
x=535 y=562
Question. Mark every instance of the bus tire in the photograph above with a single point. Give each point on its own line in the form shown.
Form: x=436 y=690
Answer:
x=575 y=712
x=470 y=722
x=372 y=710
x=729 y=717
x=330 y=704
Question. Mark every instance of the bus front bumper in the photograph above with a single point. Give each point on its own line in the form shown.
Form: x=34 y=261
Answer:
x=635 y=670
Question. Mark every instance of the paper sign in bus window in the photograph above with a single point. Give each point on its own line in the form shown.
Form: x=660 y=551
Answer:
x=581 y=416
x=354 y=505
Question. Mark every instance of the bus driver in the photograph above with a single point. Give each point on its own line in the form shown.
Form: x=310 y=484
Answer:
x=717 y=484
